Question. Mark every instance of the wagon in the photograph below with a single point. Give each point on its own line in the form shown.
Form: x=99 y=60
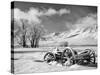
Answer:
x=85 y=57
x=70 y=56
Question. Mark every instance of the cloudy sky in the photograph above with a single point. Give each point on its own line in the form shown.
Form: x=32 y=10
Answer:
x=54 y=17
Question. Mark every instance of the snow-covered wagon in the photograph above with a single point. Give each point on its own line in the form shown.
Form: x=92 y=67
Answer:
x=70 y=56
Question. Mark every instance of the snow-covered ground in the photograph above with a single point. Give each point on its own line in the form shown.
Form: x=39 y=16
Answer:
x=31 y=66
x=32 y=61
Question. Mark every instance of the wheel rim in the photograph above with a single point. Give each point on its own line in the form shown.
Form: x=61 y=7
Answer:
x=92 y=57
x=69 y=62
x=48 y=57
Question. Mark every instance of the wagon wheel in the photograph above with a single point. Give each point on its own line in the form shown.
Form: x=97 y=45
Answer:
x=92 y=57
x=68 y=62
x=49 y=57
x=72 y=61
x=69 y=56
x=67 y=53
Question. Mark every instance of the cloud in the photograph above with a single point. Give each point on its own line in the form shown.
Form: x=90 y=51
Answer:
x=88 y=26
x=52 y=11
x=69 y=26
x=33 y=14
x=85 y=26
x=88 y=21
x=63 y=11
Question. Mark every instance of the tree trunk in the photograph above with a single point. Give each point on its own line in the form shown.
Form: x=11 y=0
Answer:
x=32 y=43
x=37 y=42
x=24 y=41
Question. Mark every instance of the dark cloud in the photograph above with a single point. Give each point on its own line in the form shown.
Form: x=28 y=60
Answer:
x=52 y=21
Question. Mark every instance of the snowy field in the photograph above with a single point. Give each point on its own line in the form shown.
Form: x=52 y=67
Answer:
x=31 y=61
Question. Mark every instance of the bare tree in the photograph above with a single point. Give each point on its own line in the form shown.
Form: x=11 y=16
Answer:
x=20 y=33
x=36 y=32
x=15 y=33
x=24 y=31
x=28 y=32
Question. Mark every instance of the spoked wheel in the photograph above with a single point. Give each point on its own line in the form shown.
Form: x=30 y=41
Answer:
x=49 y=57
x=87 y=57
x=69 y=62
x=69 y=55
x=92 y=57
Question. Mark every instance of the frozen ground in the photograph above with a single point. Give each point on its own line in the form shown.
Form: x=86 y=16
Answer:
x=31 y=61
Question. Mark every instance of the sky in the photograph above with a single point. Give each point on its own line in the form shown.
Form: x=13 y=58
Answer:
x=54 y=17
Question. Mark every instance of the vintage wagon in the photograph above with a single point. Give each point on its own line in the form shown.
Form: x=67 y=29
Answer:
x=70 y=56
x=86 y=57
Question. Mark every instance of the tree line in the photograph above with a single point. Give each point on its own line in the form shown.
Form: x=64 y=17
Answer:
x=24 y=32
